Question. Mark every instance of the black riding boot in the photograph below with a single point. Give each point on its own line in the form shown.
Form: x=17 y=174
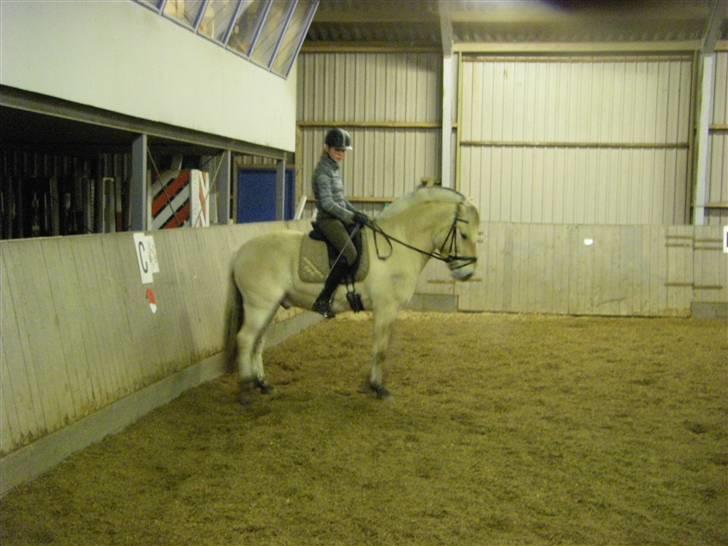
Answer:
x=322 y=304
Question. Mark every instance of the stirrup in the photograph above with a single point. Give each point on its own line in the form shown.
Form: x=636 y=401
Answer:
x=323 y=308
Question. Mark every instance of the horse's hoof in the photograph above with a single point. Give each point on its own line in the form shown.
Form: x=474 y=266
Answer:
x=381 y=392
x=263 y=387
x=247 y=390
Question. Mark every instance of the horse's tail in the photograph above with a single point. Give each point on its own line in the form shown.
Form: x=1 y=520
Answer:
x=235 y=318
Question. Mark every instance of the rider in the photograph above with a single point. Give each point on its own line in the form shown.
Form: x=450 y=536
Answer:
x=335 y=213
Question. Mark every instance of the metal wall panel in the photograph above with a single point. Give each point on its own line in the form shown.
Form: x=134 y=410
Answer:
x=403 y=87
x=384 y=163
x=718 y=162
x=569 y=185
x=391 y=104
x=583 y=140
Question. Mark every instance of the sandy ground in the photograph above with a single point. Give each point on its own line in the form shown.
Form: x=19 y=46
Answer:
x=503 y=429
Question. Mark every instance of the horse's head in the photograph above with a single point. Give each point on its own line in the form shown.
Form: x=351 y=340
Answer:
x=445 y=216
x=458 y=246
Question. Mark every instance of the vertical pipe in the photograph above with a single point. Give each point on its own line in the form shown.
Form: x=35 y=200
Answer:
x=693 y=114
x=138 y=184
x=281 y=188
x=459 y=133
x=222 y=183
x=447 y=92
x=703 y=137
x=299 y=164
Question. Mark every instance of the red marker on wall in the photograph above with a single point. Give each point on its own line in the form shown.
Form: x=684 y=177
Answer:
x=152 y=300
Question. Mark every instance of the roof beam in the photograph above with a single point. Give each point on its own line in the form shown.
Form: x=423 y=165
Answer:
x=575 y=47
x=371 y=11
x=445 y=28
x=718 y=11
x=544 y=13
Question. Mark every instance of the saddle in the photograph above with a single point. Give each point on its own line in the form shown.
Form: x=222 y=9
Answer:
x=317 y=256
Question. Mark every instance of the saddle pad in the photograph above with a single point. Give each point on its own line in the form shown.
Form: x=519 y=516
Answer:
x=313 y=261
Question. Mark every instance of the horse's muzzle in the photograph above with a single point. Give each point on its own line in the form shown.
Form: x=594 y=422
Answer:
x=462 y=274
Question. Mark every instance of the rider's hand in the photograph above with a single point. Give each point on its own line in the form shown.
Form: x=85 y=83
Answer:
x=361 y=218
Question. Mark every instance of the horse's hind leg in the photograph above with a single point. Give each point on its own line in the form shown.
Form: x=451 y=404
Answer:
x=258 y=370
x=250 y=340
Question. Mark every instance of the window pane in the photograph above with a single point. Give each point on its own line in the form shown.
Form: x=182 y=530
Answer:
x=183 y=10
x=153 y=3
x=271 y=31
x=217 y=18
x=245 y=26
x=292 y=38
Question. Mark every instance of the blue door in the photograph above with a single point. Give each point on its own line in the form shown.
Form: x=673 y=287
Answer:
x=257 y=195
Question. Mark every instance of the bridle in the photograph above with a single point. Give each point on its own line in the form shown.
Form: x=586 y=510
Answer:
x=448 y=251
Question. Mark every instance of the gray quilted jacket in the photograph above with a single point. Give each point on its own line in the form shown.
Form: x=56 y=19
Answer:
x=328 y=188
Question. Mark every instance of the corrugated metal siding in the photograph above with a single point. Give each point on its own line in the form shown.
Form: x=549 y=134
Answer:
x=390 y=102
x=576 y=186
x=384 y=162
x=401 y=87
x=718 y=189
x=577 y=140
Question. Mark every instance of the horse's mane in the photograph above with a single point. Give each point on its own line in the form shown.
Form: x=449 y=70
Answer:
x=422 y=194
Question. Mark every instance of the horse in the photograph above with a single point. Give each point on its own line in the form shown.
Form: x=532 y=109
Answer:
x=430 y=222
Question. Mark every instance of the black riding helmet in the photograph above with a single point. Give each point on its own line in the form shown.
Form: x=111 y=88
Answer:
x=338 y=138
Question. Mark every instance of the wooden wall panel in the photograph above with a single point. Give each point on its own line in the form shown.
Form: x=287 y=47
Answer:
x=77 y=330
x=651 y=270
x=710 y=273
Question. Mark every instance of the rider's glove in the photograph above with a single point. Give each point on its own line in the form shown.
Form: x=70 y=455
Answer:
x=361 y=218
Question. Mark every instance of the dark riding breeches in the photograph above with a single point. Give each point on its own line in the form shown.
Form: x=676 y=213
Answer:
x=336 y=234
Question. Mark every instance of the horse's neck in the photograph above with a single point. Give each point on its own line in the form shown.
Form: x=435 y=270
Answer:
x=418 y=225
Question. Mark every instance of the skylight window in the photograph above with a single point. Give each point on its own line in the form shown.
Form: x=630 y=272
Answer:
x=216 y=19
x=184 y=11
x=247 y=25
x=293 y=36
x=267 y=32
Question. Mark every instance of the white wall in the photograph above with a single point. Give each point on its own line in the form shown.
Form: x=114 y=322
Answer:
x=120 y=56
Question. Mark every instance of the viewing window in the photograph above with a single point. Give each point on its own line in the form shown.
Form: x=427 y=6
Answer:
x=268 y=32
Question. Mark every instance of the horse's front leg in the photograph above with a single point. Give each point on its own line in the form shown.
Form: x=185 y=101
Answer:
x=383 y=319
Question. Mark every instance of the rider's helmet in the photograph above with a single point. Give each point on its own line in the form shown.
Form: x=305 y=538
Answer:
x=338 y=138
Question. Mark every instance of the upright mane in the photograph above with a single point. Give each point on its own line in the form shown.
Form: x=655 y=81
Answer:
x=422 y=194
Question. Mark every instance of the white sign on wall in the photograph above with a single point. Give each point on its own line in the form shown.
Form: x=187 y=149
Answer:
x=146 y=257
x=725 y=239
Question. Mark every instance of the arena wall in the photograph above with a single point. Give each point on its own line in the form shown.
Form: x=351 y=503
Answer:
x=83 y=353
x=636 y=270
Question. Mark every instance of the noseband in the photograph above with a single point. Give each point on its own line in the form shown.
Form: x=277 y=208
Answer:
x=448 y=251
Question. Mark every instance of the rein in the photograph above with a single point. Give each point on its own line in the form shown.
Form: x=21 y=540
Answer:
x=450 y=241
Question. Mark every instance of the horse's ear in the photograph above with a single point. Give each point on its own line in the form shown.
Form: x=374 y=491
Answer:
x=429 y=182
